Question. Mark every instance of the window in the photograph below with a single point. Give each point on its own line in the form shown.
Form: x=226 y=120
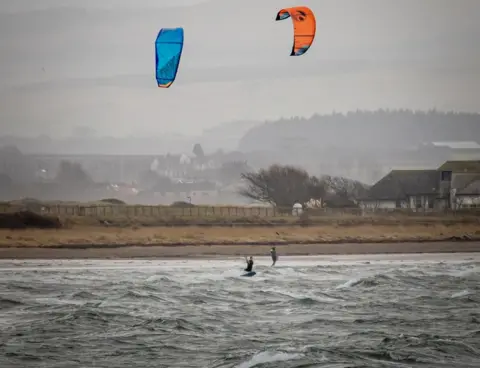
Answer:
x=446 y=176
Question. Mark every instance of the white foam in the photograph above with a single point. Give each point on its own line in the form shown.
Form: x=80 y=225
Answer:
x=268 y=357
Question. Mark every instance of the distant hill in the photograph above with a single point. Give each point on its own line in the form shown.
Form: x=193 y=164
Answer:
x=225 y=136
x=364 y=129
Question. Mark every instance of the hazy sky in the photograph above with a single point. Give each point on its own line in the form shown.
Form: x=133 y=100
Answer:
x=66 y=63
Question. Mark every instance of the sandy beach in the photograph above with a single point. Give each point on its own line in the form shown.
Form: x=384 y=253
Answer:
x=220 y=241
x=222 y=251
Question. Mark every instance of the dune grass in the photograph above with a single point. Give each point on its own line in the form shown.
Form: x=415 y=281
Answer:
x=150 y=225
x=91 y=235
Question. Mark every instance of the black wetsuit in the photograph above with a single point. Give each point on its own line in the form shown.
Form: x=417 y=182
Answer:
x=274 y=256
x=249 y=266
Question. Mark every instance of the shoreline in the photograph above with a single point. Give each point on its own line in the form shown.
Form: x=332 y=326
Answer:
x=270 y=243
x=189 y=251
x=95 y=241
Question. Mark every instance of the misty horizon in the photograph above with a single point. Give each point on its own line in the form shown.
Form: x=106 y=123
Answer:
x=66 y=64
x=357 y=135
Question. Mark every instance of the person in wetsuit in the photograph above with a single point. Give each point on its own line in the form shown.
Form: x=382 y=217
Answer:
x=249 y=264
x=273 y=253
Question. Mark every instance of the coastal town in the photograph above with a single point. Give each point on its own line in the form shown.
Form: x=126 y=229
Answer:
x=444 y=175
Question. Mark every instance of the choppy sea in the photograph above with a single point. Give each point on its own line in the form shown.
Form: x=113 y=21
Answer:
x=349 y=311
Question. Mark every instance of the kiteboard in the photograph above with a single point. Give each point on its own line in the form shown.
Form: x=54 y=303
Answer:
x=249 y=274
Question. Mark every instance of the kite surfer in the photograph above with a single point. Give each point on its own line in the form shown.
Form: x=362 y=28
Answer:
x=273 y=253
x=249 y=264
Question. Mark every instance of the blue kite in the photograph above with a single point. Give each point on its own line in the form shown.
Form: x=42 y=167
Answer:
x=168 y=50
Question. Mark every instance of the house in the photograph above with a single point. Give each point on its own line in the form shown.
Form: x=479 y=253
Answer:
x=468 y=197
x=459 y=184
x=455 y=184
x=404 y=189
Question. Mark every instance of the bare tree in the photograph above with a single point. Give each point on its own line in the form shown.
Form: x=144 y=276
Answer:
x=282 y=186
x=344 y=192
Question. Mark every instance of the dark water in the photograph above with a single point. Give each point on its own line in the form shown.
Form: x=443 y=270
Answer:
x=419 y=311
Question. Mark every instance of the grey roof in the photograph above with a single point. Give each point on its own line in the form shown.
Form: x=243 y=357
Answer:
x=461 y=182
x=399 y=184
x=472 y=166
x=473 y=188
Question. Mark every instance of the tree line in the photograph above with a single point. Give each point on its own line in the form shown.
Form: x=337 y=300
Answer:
x=367 y=129
x=282 y=186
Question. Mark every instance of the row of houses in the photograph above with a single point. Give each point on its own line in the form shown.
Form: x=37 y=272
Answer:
x=453 y=185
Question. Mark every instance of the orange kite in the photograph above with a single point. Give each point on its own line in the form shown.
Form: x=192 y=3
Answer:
x=304 y=26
